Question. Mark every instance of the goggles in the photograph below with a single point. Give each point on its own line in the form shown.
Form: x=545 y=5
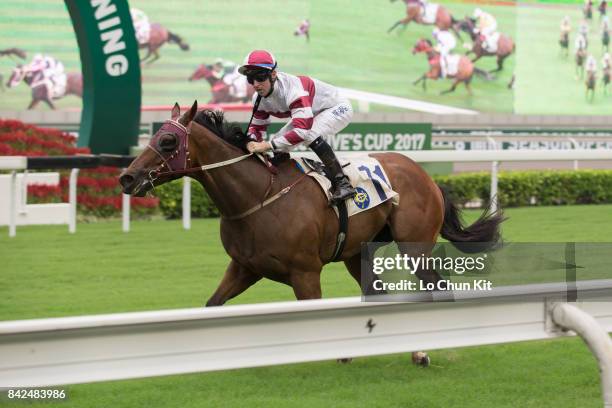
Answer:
x=259 y=76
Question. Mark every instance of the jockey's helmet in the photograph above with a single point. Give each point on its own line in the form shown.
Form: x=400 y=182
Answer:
x=258 y=60
x=477 y=13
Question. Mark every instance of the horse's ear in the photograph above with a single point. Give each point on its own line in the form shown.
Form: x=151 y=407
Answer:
x=189 y=115
x=193 y=110
x=176 y=111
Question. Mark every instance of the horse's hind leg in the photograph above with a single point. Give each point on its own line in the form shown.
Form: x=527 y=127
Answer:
x=235 y=281
x=354 y=264
x=500 y=64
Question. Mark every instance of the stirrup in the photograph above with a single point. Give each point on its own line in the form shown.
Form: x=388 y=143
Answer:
x=337 y=197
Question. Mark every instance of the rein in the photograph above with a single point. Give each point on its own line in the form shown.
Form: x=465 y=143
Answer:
x=181 y=156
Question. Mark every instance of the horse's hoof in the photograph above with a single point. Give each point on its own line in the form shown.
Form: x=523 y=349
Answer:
x=421 y=358
x=344 y=360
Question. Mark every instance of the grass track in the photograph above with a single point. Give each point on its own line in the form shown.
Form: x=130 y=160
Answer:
x=47 y=272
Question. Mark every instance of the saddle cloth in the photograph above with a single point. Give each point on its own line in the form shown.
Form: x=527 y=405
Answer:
x=452 y=64
x=429 y=13
x=366 y=175
x=491 y=43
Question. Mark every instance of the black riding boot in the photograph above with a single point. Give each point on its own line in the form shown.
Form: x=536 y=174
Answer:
x=341 y=187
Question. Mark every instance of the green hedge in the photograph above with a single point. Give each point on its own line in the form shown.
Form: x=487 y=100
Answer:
x=171 y=201
x=515 y=189
x=524 y=188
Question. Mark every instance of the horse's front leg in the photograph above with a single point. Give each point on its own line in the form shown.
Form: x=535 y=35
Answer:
x=421 y=78
x=155 y=57
x=235 y=281
x=33 y=104
x=306 y=284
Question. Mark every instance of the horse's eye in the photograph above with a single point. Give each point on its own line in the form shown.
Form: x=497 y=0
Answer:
x=168 y=142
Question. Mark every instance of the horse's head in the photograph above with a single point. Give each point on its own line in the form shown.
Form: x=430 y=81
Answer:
x=202 y=71
x=167 y=151
x=423 y=45
x=466 y=25
x=17 y=75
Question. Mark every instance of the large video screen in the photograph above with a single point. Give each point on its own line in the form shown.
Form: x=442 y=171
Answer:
x=352 y=44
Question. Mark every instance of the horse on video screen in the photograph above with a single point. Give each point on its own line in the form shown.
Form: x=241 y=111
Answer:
x=258 y=203
x=505 y=44
x=221 y=91
x=43 y=88
x=605 y=77
x=430 y=14
x=158 y=37
x=465 y=67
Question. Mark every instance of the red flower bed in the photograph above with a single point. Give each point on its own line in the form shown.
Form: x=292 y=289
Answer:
x=98 y=191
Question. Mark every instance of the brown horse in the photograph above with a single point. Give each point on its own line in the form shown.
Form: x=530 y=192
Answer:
x=465 y=70
x=258 y=205
x=415 y=12
x=158 y=37
x=590 y=85
x=505 y=44
x=219 y=89
x=605 y=40
x=606 y=78
x=42 y=87
x=581 y=54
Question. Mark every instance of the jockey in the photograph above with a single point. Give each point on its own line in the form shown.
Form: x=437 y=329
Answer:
x=316 y=110
x=606 y=61
x=605 y=24
x=303 y=29
x=591 y=64
x=142 y=27
x=487 y=26
x=580 y=43
x=566 y=25
x=446 y=43
x=603 y=7
x=51 y=70
x=584 y=29
x=221 y=68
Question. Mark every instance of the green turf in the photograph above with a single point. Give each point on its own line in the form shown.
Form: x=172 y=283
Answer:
x=48 y=272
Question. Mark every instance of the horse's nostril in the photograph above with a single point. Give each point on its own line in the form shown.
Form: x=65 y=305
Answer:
x=126 y=180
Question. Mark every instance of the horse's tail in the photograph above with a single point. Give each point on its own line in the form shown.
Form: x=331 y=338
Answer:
x=175 y=38
x=485 y=231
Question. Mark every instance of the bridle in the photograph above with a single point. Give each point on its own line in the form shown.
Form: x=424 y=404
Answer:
x=177 y=162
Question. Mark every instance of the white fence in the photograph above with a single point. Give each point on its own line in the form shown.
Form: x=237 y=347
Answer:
x=83 y=349
x=424 y=156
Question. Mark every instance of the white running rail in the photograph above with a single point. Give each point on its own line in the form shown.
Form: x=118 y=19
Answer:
x=49 y=352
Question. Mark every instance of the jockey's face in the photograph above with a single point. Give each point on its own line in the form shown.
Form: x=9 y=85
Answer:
x=263 y=84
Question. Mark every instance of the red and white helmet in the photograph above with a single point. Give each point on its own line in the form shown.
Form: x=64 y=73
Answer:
x=258 y=59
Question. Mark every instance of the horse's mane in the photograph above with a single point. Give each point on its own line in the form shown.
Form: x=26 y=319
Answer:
x=214 y=121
